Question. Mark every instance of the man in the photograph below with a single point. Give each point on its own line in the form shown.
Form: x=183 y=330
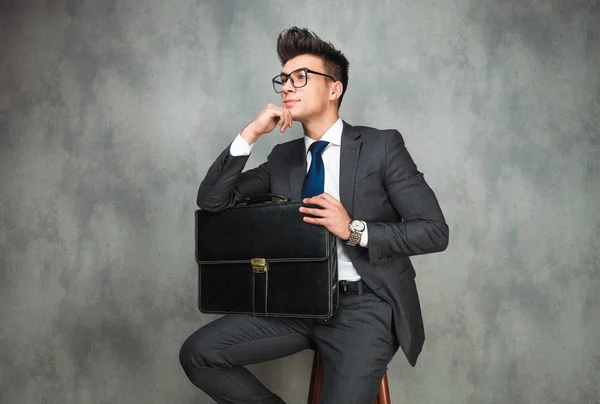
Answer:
x=373 y=199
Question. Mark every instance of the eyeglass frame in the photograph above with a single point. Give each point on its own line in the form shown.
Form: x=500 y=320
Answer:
x=289 y=78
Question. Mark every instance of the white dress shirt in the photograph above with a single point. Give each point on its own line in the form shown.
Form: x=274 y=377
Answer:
x=331 y=161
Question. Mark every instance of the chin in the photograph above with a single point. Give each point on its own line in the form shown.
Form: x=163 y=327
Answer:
x=296 y=115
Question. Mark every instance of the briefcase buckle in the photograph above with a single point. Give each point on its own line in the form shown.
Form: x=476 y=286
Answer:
x=259 y=265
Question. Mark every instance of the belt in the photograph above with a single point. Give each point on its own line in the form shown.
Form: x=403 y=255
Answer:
x=354 y=287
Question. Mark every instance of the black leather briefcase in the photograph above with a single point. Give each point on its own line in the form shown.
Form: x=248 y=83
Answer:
x=260 y=258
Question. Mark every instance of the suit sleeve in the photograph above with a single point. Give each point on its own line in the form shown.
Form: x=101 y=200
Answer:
x=423 y=228
x=225 y=185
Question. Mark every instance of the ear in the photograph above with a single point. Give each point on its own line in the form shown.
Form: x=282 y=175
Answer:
x=335 y=91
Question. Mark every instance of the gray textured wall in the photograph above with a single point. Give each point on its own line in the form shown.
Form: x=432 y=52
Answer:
x=111 y=112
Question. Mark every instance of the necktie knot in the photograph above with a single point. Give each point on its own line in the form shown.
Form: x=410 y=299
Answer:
x=318 y=147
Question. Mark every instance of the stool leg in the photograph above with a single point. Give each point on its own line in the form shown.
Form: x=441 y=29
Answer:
x=316 y=384
x=316 y=380
x=383 y=397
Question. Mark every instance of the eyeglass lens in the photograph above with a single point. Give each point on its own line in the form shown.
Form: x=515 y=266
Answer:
x=298 y=80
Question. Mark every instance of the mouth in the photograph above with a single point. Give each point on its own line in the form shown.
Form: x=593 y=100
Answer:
x=290 y=102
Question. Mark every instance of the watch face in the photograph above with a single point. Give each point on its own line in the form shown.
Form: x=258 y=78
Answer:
x=357 y=225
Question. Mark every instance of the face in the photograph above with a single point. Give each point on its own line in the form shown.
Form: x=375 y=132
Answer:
x=317 y=98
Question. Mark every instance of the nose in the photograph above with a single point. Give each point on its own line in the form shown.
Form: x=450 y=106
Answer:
x=288 y=87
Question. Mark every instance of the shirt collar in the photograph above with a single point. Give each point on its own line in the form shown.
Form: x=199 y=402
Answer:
x=333 y=135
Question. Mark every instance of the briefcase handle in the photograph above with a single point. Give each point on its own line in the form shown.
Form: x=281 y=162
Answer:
x=265 y=198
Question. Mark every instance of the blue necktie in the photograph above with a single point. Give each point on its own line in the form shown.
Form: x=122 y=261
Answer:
x=314 y=182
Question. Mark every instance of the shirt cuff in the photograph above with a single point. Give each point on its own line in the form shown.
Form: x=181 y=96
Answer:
x=364 y=238
x=240 y=147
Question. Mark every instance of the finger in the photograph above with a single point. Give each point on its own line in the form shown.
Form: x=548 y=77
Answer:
x=284 y=121
x=313 y=200
x=329 y=199
x=314 y=211
x=288 y=118
x=319 y=201
x=288 y=121
x=281 y=122
x=313 y=220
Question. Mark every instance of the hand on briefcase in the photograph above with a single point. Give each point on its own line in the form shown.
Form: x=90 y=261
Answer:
x=261 y=258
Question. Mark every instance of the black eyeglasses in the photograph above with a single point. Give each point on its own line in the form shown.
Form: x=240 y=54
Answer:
x=298 y=77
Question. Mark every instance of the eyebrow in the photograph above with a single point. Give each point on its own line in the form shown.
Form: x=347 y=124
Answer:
x=282 y=72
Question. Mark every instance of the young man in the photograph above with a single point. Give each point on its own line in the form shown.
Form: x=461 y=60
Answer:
x=373 y=199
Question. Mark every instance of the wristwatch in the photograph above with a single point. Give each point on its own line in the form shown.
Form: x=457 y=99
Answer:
x=356 y=229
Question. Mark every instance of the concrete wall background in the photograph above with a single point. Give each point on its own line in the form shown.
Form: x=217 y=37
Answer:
x=112 y=111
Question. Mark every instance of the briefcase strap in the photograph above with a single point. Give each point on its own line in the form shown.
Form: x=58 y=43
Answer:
x=265 y=198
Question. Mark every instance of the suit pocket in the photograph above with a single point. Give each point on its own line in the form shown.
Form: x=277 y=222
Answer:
x=398 y=269
x=366 y=175
x=389 y=317
x=380 y=316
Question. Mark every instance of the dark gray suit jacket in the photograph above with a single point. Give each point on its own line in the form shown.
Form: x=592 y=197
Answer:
x=380 y=184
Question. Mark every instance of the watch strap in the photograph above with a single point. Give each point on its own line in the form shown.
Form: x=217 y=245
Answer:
x=354 y=236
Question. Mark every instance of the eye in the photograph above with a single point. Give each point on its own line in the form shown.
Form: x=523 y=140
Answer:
x=299 y=75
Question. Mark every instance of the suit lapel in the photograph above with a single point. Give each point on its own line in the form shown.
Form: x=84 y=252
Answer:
x=350 y=153
x=297 y=169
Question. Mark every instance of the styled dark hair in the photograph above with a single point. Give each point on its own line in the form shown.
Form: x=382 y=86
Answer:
x=296 y=41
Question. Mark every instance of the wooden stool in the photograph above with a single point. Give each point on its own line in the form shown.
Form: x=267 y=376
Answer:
x=316 y=384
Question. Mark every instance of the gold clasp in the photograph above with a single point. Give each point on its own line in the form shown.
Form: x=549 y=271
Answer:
x=259 y=265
